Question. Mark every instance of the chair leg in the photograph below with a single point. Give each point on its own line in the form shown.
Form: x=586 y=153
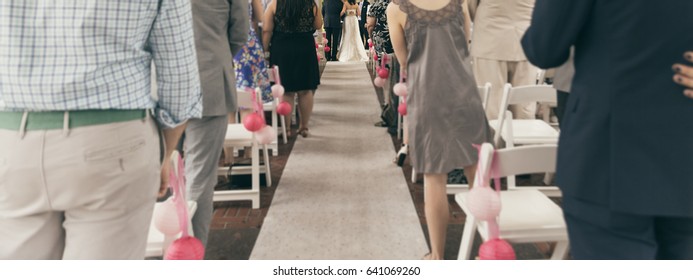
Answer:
x=548 y=177
x=256 y=174
x=268 y=174
x=561 y=251
x=467 y=241
x=284 y=129
x=275 y=127
x=413 y=175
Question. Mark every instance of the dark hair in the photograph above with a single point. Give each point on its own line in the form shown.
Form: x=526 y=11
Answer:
x=292 y=10
x=352 y=2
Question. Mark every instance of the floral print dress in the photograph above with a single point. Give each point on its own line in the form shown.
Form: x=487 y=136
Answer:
x=251 y=69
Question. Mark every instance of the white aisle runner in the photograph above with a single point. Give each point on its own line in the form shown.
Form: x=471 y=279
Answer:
x=340 y=196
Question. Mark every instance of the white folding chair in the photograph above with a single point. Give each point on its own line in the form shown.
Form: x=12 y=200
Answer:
x=527 y=216
x=526 y=131
x=238 y=137
x=157 y=242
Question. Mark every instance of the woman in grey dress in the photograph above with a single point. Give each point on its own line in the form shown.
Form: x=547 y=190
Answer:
x=445 y=113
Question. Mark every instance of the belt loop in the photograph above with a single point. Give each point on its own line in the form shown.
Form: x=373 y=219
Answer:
x=22 y=125
x=66 y=123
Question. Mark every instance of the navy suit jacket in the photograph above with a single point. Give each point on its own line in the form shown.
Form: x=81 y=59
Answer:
x=627 y=138
x=331 y=11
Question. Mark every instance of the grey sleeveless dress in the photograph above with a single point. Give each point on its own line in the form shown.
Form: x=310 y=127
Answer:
x=445 y=113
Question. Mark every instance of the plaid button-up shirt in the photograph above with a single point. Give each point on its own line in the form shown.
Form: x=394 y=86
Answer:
x=64 y=55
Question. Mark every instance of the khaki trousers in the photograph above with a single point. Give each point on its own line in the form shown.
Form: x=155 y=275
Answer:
x=498 y=73
x=86 y=193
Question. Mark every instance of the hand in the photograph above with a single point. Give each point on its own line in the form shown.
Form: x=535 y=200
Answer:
x=684 y=75
x=165 y=169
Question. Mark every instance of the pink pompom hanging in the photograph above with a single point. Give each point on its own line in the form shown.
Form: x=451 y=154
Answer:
x=253 y=122
x=277 y=91
x=402 y=108
x=186 y=247
x=284 y=108
x=379 y=82
x=484 y=203
x=496 y=249
x=400 y=89
x=265 y=135
x=327 y=49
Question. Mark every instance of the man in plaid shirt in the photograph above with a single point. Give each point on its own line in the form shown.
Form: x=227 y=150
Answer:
x=79 y=153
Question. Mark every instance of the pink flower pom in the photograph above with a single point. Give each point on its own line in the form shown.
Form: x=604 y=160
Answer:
x=383 y=72
x=277 y=91
x=379 y=82
x=284 y=108
x=253 y=122
x=402 y=108
x=400 y=89
x=316 y=45
x=496 y=249
x=375 y=56
x=484 y=203
x=265 y=135
x=166 y=218
x=327 y=49
x=185 y=248
x=326 y=41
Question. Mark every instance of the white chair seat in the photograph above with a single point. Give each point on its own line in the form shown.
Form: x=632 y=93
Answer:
x=523 y=213
x=530 y=132
x=157 y=242
x=237 y=135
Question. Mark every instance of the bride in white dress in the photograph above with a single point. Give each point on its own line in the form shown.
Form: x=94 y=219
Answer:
x=351 y=48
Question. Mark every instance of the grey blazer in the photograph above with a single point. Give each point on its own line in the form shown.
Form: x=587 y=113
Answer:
x=221 y=30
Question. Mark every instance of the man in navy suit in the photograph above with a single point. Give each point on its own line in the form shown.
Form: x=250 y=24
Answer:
x=331 y=12
x=625 y=159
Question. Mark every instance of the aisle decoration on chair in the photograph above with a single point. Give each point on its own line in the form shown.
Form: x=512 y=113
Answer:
x=283 y=108
x=382 y=72
x=255 y=121
x=400 y=90
x=186 y=247
x=485 y=205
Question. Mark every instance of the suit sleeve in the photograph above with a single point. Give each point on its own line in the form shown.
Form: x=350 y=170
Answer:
x=239 y=25
x=556 y=26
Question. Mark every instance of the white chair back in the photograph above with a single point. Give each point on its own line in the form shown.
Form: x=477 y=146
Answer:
x=484 y=91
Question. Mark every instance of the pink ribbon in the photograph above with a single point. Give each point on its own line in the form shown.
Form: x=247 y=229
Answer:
x=177 y=183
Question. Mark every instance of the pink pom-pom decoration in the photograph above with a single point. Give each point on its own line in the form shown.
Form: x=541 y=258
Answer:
x=484 y=203
x=379 y=82
x=185 y=248
x=326 y=41
x=400 y=89
x=383 y=72
x=327 y=49
x=284 y=108
x=496 y=249
x=375 y=56
x=265 y=135
x=370 y=43
x=316 y=45
x=166 y=218
x=402 y=109
x=277 y=91
x=253 y=122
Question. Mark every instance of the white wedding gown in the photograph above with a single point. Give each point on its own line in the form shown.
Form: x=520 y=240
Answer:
x=351 y=48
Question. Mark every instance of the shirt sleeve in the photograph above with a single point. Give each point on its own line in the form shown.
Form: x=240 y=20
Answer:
x=173 y=49
x=555 y=27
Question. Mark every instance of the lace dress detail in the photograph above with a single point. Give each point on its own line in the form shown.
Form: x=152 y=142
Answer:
x=302 y=23
x=451 y=12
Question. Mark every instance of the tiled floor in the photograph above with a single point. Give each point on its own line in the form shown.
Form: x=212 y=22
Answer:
x=235 y=226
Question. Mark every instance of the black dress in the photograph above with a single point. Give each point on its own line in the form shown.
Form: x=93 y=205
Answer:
x=293 y=49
